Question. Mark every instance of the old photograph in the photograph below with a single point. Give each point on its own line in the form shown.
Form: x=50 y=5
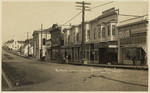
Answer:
x=74 y=45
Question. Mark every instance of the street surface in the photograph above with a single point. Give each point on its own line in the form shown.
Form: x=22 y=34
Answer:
x=46 y=76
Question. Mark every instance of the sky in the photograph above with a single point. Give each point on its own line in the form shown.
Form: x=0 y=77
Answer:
x=20 y=17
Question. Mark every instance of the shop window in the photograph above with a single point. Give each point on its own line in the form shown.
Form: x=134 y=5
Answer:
x=108 y=28
x=87 y=55
x=96 y=55
x=103 y=32
x=91 y=55
x=75 y=56
x=113 y=29
x=127 y=54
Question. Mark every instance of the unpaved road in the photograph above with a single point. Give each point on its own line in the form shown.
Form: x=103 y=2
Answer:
x=46 y=76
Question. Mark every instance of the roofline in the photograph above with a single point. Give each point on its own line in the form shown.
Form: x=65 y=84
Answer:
x=133 y=23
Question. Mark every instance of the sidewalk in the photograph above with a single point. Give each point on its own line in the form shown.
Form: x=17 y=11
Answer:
x=113 y=66
x=96 y=65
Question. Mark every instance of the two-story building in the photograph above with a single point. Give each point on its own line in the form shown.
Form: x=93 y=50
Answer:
x=56 y=42
x=101 y=38
x=39 y=42
x=107 y=36
x=133 y=40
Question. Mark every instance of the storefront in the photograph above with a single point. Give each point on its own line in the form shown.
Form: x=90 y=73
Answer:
x=133 y=41
x=108 y=52
x=89 y=53
x=56 y=53
x=129 y=51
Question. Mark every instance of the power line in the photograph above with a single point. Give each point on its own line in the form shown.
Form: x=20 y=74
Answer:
x=72 y=18
x=89 y=8
x=102 y=5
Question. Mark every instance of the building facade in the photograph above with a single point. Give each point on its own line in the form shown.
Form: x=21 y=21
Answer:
x=14 y=44
x=133 y=41
x=101 y=39
x=27 y=48
x=39 y=43
x=56 y=42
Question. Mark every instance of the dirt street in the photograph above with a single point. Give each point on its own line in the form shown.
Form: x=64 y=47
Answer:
x=46 y=76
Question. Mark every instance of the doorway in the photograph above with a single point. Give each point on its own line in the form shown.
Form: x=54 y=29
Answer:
x=102 y=55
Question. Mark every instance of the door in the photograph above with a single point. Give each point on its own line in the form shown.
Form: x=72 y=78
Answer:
x=103 y=55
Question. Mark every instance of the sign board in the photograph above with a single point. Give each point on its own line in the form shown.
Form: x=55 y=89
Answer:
x=124 y=34
x=112 y=46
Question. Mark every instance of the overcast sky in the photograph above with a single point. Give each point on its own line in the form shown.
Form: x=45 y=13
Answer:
x=18 y=18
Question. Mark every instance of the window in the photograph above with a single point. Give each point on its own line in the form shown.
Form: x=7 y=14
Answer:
x=68 y=38
x=113 y=29
x=96 y=55
x=88 y=34
x=108 y=27
x=94 y=33
x=88 y=55
x=103 y=32
x=74 y=37
x=44 y=41
x=99 y=32
x=77 y=37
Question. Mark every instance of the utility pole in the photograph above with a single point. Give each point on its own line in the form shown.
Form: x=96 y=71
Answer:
x=41 y=52
x=28 y=42
x=83 y=35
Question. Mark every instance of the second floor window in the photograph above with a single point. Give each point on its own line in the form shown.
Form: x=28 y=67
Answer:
x=68 y=38
x=113 y=29
x=77 y=37
x=44 y=41
x=99 y=32
x=108 y=28
x=103 y=32
x=88 y=34
x=94 y=33
x=74 y=37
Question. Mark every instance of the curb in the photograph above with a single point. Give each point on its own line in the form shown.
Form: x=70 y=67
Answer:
x=112 y=66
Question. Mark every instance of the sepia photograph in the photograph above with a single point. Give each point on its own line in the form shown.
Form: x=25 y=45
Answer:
x=74 y=45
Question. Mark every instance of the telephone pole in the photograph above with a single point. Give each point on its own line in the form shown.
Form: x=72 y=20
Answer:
x=84 y=8
x=28 y=42
x=41 y=52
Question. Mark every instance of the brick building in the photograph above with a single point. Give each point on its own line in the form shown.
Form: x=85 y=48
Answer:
x=56 y=42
